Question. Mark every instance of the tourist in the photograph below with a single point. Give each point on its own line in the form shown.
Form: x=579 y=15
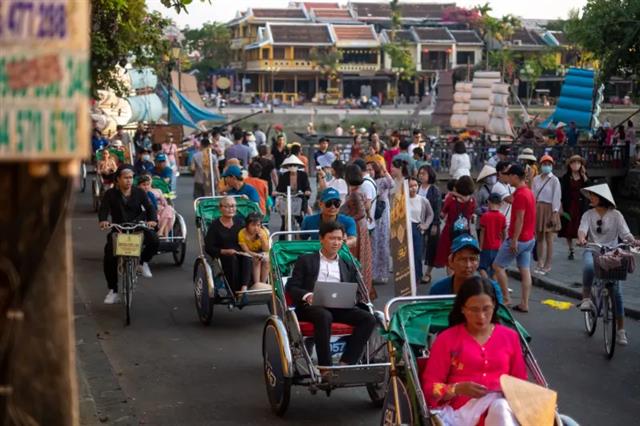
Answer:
x=171 y=151
x=339 y=131
x=501 y=155
x=375 y=150
x=505 y=190
x=572 y=135
x=528 y=161
x=254 y=179
x=486 y=180
x=429 y=189
x=393 y=149
x=417 y=141
x=261 y=137
x=574 y=204
x=332 y=176
x=279 y=151
x=323 y=149
x=198 y=171
x=380 y=235
x=296 y=149
x=421 y=216
x=520 y=238
x=405 y=156
x=632 y=140
x=298 y=180
x=548 y=195
x=460 y=161
x=356 y=148
x=370 y=192
x=239 y=150
x=269 y=171
x=560 y=135
x=491 y=234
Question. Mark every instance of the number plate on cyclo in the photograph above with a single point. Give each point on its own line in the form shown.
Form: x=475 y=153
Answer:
x=127 y=244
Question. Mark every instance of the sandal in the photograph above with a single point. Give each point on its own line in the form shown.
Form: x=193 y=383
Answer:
x=517 y=308
x=426 y=279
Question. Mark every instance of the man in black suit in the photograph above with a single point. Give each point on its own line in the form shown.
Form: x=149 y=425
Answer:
x=326 y=266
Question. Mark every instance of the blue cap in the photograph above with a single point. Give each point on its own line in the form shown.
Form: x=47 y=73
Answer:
x=233 y=170
x=161 y=157
x=464 y=241
x=329 y=194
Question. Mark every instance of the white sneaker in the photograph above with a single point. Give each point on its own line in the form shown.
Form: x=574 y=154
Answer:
x=586 y=305
x=621 y=337
x=144 y=270
x=112 y=298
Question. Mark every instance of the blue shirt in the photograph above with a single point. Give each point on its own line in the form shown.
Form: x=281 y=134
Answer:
x=143 y=166
x=312 y=223
x=247 y=190
x=408 y=158
x=445 y=286
x=165 y=173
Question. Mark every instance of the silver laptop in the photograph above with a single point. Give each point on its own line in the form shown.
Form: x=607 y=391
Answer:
x=335 y=295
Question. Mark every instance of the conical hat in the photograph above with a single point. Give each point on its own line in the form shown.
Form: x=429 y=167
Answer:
x=486 y=171
x=292 y=160
x=601 y=190
x=532 y=405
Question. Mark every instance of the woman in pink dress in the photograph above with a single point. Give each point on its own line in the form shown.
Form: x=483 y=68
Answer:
x=166 y=213
x=462 y=376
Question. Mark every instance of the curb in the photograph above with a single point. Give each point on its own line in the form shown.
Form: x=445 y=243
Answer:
x=558 y=287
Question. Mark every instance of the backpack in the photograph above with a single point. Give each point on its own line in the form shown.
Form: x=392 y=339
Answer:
x=381 y=205
x=460 y=225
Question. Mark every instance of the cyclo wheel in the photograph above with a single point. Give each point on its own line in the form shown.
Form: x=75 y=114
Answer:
x=278 y=386
x=378 y=353
x=609 y=320
x=204 y=304
x=591 y=316
x=181 y=249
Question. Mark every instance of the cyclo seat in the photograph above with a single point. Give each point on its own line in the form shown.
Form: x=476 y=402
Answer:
x=307 y=329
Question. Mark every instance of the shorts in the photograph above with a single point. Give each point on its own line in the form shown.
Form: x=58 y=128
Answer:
x=486 y=260
x=523 y=257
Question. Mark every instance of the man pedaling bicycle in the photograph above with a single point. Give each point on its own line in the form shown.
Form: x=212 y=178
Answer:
x=126 y=204
x=603 y=225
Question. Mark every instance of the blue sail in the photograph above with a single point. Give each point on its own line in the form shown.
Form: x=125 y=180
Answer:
x=196 y=112
x=576 y=101
x=178 y=117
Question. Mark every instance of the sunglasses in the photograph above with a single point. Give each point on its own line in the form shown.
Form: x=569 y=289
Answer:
x=599 y=228
x=332 y=203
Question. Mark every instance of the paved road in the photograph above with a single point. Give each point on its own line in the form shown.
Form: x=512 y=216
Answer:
x=167 y=369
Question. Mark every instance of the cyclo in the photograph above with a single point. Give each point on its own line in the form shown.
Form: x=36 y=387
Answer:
x=176 y=242
x=411 y=326
x=288 y=347
x=210 y=285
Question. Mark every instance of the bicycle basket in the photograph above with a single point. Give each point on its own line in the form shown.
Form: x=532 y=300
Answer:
x=296 y=206
x=619 y=273
x=127 y=244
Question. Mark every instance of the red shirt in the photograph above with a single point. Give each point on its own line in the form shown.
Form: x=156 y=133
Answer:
x=493 y=223
x=523 y=199
x=388 y=157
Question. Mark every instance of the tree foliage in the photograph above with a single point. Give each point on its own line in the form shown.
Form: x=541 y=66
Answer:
x=533 y=69
x=212 y=44
x=123 y=30
x=398 y=51
x=610 y=30
x=179 y=5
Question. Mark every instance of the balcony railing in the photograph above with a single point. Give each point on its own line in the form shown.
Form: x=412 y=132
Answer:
x=355 y=67
x=238 y=43
x=281 y=65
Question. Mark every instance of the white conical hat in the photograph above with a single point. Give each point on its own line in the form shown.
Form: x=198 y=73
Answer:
x=602 y=190
x=486 y=171
x=292 y=160
x=533 y=405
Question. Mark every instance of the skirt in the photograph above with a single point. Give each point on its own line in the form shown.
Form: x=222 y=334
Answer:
x=546 y=221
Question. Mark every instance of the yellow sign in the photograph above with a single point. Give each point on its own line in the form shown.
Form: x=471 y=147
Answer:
x=223 y=83
x=127 y=244
x=44 y=80
x=401 y=243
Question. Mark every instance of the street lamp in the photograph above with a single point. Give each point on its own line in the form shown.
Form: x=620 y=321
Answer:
x=174 y=56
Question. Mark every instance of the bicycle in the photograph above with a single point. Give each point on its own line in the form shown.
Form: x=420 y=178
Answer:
x=603 y=303
x=297 y=212
x=127 y=247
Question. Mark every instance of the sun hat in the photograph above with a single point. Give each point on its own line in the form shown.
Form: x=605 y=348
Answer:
x=250 y=137
x=329 y=194
x=560 y=124
x=292 y=160
x=464 y=241
x=577 y=158
x=527 y=154
x=601 y=190
x=233 y=170
x=547 y=159
x=116 y=143
x=161 y=157
x=486 y=172
x=532 y=404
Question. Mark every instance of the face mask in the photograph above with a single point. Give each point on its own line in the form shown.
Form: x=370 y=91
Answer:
x=491 y=180
x=146 y=157
x=546 y=169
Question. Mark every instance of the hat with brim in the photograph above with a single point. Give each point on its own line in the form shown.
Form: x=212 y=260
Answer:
x=560 y=124
x=486 y=172
x=527 y=154
x=232 y=171
x=533 y=405
x=116 y=143
x=577 y=158
x=292 y=160
x=601 y=190
x=547 y=159
x=463 y=242
x=329 y=194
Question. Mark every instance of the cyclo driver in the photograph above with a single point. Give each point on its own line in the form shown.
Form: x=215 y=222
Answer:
x=126 y=204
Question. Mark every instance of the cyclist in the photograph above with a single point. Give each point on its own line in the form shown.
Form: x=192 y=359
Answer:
x=605 y=225
x=126 y=204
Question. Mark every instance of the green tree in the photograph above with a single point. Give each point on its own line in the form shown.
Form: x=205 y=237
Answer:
x=533 y=68
x=179 y=5
x=398 y=51
x=123 y=30
x=610 y=30
x=327 y=61
x=212 y=42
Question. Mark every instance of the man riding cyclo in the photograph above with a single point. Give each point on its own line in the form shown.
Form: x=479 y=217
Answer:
x=329 y=201
x=464 y=261
x=126 y=204
x=326 y=266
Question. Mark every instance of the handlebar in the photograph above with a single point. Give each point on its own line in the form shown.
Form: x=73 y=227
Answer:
x=283 y=194
x=604 y=248
x=124 y=227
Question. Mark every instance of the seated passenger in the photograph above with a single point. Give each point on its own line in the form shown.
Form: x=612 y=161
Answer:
x=221 y=242
x=326 y=266
x=254 y=240
x=462 y=375
x=162 y=168
x=463 y=261
x=166 y=212
x=329 y=202
x=144 y=164
x=107 y=167
x=235 y=183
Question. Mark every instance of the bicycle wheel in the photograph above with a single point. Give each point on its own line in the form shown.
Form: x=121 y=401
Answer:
x=609 y=321
x=83 y=176
x=129 y=276
x=591 y=316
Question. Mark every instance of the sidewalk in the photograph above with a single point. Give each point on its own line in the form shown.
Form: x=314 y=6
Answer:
x=566 y=278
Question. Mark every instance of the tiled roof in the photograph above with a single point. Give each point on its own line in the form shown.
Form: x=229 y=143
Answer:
x=433 y=34
x=372 y=10
x=424 y=10
x=305 y=34
x=466 y=36
x=289 y=13
x=401 y=35
x=527 y=37
x=320 y=5
x=332 y=13
x=354 y=32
